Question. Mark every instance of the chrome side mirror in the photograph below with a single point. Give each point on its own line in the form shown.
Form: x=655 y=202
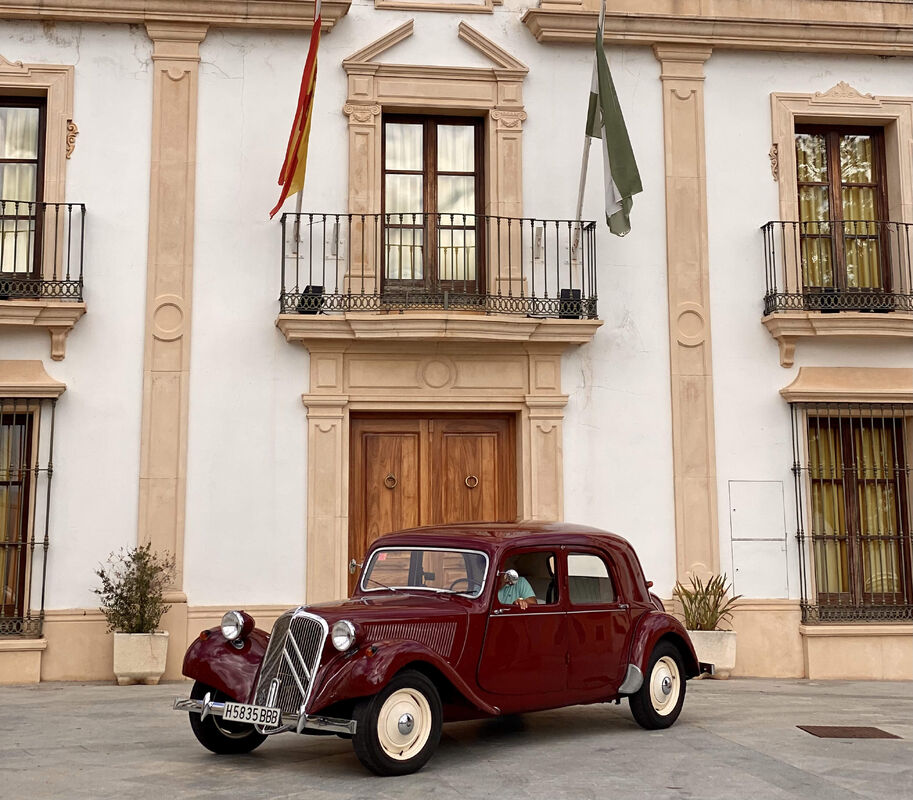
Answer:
x=512 y=576
x=353 y=566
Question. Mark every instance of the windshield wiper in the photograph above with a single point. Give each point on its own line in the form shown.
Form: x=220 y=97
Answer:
x=382 y=585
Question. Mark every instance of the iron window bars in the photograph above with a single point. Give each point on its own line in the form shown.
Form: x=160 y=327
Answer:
x=488 y=264
x=41 y=250
x=26 y=469
x=832 y=266
x=851 y=463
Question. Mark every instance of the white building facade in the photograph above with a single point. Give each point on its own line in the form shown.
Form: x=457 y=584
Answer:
x=730 y=386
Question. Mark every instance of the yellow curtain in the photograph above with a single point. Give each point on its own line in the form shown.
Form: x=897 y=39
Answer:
x=828 y=517
x=877 y=499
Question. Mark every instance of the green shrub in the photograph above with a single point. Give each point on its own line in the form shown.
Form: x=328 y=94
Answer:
x=705 y=605
x=133 y=589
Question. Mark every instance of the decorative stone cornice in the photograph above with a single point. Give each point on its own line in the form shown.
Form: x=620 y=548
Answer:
x=439 y=327
x=839 y=26
x=787 y=327
x=850 y=384
x=57 y=317
x=28 y=379
x=277 y=14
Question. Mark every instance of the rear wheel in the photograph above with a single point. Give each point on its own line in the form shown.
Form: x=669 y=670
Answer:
x=659 y=701
x=399 y=728
x=217 y=735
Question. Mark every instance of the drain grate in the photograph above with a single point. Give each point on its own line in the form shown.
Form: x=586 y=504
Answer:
x=846 y=732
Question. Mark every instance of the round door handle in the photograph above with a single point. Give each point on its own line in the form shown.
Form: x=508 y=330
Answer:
x=472 y=481
x=390 y=481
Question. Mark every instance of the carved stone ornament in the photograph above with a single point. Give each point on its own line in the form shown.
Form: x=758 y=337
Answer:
x=361 y=113
x=508 y=119
x=11 y=66
x=843 y=92
x=72 y=133
x=774 y=156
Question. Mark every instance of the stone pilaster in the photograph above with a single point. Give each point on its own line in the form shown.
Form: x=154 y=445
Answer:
x=166 y=359
x=691 y=368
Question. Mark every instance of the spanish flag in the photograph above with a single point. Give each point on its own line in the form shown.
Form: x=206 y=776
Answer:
x=291 y=178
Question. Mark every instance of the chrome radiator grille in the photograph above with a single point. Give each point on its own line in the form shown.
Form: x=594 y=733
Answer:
x=292 y=657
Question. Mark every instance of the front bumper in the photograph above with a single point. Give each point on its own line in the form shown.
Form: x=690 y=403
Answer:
x=297 y=722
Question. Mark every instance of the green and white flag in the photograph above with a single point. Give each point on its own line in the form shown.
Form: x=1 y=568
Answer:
x=605 y=121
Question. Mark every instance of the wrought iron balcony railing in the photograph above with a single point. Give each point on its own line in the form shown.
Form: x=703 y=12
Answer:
x=453 y=262
x=832 y=266
x=41 y=250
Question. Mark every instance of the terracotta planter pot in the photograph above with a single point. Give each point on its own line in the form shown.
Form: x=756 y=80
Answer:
x=140 y=657
x=717 y=648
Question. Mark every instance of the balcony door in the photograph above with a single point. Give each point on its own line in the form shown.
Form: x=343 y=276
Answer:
x=22 y=121
x=407 y=471
x=432 y=206
x=842 y=217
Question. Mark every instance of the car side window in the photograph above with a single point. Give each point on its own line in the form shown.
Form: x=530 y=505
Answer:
x=588 y=580
x=537 y=569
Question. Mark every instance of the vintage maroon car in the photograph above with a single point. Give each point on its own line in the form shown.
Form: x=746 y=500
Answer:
x=431 y=635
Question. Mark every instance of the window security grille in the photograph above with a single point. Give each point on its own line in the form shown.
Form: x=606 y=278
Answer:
x=26 y=467
x=851 y=463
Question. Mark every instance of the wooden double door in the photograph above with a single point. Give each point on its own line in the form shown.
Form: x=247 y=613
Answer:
x=426 y=470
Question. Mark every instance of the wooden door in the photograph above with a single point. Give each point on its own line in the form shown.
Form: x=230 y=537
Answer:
x=409 y=470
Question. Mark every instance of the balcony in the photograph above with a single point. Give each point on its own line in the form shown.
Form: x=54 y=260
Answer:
x=837 y=278
x=380 y=276
x=41 y=267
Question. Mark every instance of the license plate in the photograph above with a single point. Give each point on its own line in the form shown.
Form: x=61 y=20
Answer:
x=256 y=715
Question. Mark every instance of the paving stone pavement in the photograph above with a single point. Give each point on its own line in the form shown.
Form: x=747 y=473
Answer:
x=735 y=739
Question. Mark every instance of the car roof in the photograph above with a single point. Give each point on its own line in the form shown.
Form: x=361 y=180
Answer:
x=495 y=536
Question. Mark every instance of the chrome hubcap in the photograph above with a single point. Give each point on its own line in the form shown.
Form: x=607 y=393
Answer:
x=405 y=724
x=667 y=685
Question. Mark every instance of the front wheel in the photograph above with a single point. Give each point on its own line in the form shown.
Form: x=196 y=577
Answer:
x=225 y=738
x=659 y=701
x=399 y=728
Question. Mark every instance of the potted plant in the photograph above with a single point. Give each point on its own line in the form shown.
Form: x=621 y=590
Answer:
x=133 y=601
x=706 y=606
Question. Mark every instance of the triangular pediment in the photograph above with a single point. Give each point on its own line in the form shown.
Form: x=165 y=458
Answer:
x=501 y=59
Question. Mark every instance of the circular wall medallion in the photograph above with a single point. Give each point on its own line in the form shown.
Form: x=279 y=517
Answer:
x=437 y=373
x=168 y=317
x=690 y=324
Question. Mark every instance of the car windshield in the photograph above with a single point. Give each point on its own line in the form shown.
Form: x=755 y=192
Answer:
x=435 y=568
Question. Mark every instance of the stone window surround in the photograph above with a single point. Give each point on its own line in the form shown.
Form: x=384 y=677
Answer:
x=851 y=385
x=841 y=104
x=54 y=82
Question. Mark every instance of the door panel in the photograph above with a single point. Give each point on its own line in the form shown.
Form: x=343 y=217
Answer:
x=524 y=652
x=472 y=466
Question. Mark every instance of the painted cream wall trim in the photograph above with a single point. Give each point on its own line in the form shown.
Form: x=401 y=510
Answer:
x=419 y=376
x=54 y=82
x=839 y=104
x=866 y=651
x=691 y=367
x=850 y=385
x=166 y=361
x=281 y=14
x=481 y=7
x=811 y=26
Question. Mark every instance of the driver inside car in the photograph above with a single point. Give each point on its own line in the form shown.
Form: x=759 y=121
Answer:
x=517 y=592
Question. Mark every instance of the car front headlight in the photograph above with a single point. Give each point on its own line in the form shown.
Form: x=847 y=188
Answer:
x=343 y=635
x=232 y=625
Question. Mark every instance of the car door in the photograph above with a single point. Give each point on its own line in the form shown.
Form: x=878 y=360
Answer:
x=599 y=623
x=525 y=650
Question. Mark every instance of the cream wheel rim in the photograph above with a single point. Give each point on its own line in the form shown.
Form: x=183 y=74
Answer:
x=404 y=724
x=665 y=685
